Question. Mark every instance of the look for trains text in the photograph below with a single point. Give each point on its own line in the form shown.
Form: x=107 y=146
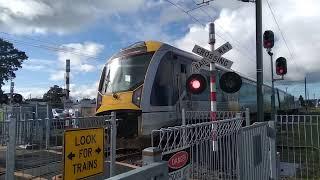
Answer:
x=85 y=152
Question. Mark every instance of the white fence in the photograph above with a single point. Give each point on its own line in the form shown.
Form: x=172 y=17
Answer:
x=221 y=149
x=194 y=117
x=298 y=141
x=32 y=148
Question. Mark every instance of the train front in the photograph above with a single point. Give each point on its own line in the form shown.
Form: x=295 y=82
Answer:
x=120 y=90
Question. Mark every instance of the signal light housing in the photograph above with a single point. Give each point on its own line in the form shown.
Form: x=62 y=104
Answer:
x=268 y=39
x=17 y=98
x=281 y=66
x=196 y=84
x=4 y=99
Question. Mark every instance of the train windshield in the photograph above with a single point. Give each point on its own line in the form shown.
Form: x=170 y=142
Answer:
x=126 y=73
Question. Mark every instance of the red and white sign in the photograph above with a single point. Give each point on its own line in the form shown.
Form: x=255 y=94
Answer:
x=178 y=160
x=178 y=164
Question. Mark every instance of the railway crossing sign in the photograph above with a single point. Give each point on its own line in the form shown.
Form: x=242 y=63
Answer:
x=83 y=153
x=214 y=56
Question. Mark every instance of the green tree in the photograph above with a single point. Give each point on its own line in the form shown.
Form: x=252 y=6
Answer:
x=53 y=96
x=10 y=61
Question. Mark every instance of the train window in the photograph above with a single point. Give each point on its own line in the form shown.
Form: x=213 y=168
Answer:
x=164 y=91
x=102 y=79
x=183 y=68
x=126 y=73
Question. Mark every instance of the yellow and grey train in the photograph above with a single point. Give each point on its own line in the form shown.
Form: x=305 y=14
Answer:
x=145 y=84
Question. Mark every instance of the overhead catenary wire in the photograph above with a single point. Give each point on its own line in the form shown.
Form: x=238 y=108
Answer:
x=281 y=32
x=225 y=32
x=204 y=25
x=48 y=45
x=50 y=48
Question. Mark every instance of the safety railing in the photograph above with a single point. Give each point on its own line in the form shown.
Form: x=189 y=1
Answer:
x=212 y=147
x=298 y=141
x=33 y=148
x=194 y=117
x=253 y=150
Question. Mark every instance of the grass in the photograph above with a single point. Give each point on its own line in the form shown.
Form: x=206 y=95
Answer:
x=299 y=143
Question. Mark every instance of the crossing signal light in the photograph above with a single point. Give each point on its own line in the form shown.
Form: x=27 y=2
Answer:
x=196 y=84
x=4 y=99
x=281 y=66
x=268 y=39
x=17 y=98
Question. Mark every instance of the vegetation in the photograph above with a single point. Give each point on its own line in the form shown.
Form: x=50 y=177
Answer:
x=10 y=61
x=54 y=96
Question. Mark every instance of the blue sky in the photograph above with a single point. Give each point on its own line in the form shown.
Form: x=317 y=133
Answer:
x=88 y=33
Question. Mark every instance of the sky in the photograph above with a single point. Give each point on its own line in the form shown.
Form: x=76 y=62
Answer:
x=89 y=32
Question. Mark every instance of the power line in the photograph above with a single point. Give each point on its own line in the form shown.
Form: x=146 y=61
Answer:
x=281 y=33
x=48 y=45
x=51 y=48
x=225 y=32
x=198 y=21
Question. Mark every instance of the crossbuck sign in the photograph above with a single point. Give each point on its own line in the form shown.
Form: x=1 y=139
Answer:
x=214 y=57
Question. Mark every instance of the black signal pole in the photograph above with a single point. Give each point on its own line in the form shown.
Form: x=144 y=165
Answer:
x=259 y=61
x=273 y=106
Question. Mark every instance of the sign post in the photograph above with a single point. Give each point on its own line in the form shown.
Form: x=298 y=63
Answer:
x=83 y=153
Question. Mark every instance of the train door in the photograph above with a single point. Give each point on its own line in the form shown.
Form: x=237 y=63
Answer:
x=181 y=67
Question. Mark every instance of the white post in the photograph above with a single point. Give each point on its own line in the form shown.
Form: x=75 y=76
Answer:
x=36 y=111
x=247 y=117
x=113 y=143
x=11 y=147
x=48 y=127
x=213 y=90
x=183 y=116
x=273 y=151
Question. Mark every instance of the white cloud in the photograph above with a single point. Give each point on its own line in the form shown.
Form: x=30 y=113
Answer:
x=299 y=21
x=26 y=92
x=82 y=57
x=57 y=76
x=38 y=64
x=61 y=16
x=84 y=91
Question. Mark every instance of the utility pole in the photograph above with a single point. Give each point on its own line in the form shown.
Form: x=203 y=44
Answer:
x=305 y=88
x=67 y=78
x=260 y=112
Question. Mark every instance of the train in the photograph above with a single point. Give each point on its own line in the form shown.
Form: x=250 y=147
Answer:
x=145 y=84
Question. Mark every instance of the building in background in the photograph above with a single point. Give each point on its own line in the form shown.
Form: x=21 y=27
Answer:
x=86 y=107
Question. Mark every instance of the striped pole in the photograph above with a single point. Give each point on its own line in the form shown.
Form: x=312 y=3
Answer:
x=213 y=103
x=213 y=90
x=213 y=93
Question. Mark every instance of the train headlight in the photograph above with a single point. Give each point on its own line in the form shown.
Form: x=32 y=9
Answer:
x=136 y=97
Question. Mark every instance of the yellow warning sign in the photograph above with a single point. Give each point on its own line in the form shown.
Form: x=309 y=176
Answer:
x=83 y=153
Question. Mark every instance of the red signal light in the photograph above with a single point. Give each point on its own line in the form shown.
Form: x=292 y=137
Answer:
x=281 y=66
x=196 y=84
x=268 y=39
